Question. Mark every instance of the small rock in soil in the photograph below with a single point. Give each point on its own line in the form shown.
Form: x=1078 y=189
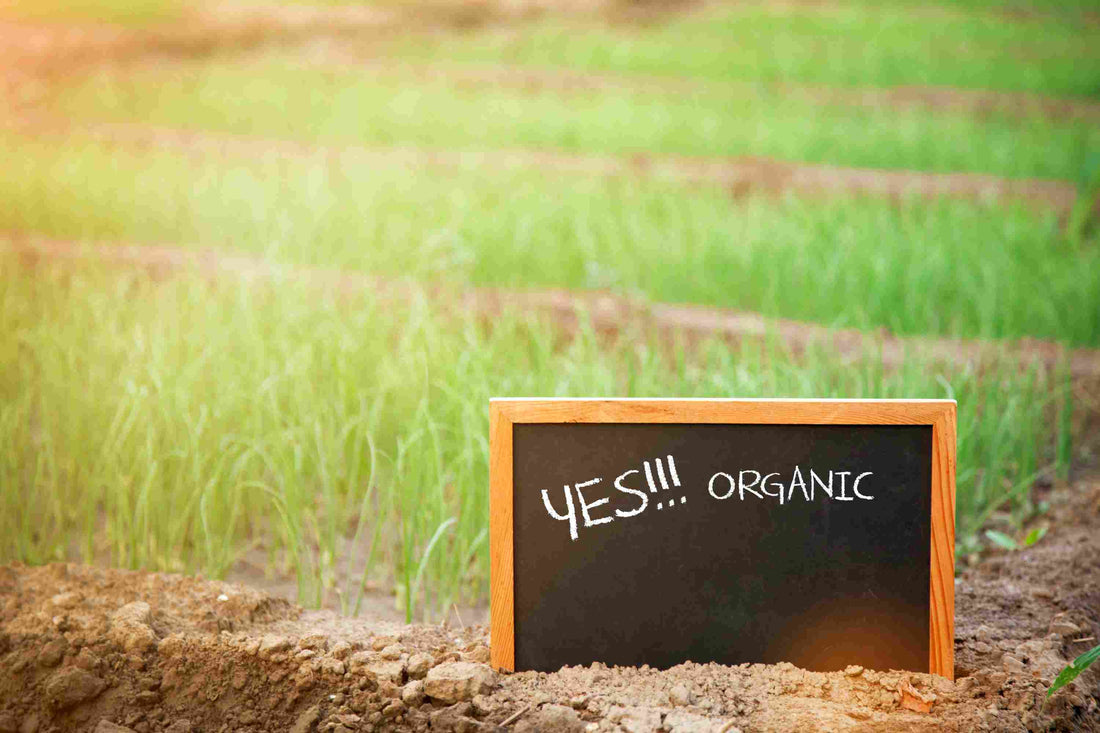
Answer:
x=392 y=672
x=681 y=721
x=130 y=627
x=66 y=600
x=913 y=699
x=52 y=653
x=455 y=718
x=306 y=720
x=72 y=686
x=86 y=660
x=455 y=681
x=418 y=665
x=333 y=667
x=550 y=719
x=483 y=706
x=391 y=652
x=106 y=726
x=479 y=653
x=412 y=694
x=635 y=719
x=1064 y=628
x=1012 y=665
x=679 y=695
x=270 y=645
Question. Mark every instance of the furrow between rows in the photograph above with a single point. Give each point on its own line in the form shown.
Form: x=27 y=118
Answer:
x=602 y=311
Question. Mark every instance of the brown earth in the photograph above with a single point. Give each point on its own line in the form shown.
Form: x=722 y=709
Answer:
x=89 y=649
x=605 y=312
x=740 y=176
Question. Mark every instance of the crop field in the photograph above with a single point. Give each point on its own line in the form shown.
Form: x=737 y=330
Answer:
x=912 y=171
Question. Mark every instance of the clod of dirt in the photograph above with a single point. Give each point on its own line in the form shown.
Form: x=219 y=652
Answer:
x=913 y=699
x=306 y=720
x=551 y=719
x=130 y=627
x=418 y=666
x=376 y=668
x=73 y=686
x=52 y=653
x=412 y=694
x=106 y=726
x=679 y=695
x=391 y=652
x=458 y=681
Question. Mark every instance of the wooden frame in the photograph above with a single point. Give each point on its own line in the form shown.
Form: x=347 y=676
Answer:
x=940 y=414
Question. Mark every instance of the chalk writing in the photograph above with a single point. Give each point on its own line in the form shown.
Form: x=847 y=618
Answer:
x=662 y=478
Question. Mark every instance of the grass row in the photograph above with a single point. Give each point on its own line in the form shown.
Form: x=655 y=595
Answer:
x=1039 y=46
x=941 y=267
x=174 y=425
x=836 y=43
x=277 y=97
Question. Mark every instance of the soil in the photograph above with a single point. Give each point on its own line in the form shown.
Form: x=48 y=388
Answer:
x=89 y=649
x=607 y=313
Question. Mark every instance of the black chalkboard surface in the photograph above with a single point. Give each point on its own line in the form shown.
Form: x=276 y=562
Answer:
x=655 y=543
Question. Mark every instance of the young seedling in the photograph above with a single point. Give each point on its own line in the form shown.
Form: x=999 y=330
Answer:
x=1073 y=669
x=1006 y=542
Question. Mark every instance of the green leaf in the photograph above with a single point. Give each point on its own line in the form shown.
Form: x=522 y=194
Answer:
x=1076 y=667
x=1001 y=539
x=1034 y=536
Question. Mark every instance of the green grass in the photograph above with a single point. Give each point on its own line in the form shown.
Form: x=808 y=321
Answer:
x=846 y=44
x=173 y=425
x=943 y=267
x=277 y=98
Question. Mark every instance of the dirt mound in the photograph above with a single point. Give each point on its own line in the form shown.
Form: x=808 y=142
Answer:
x=89 y=649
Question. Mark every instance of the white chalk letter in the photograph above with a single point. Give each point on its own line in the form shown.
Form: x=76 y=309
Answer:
x=842 y=496
x=741 y=483
x=815 y=480
x=764 y=484
x=728 y=478
x=855 y=487
x=627 y=490
x=797 y=480
x=570 y=513
x=588 y=520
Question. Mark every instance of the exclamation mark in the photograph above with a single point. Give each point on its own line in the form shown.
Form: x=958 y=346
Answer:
x=664 y=481
x=675 y=477
x=652 y=486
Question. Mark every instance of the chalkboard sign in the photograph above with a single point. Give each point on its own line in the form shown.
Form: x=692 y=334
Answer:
x=630 y=532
